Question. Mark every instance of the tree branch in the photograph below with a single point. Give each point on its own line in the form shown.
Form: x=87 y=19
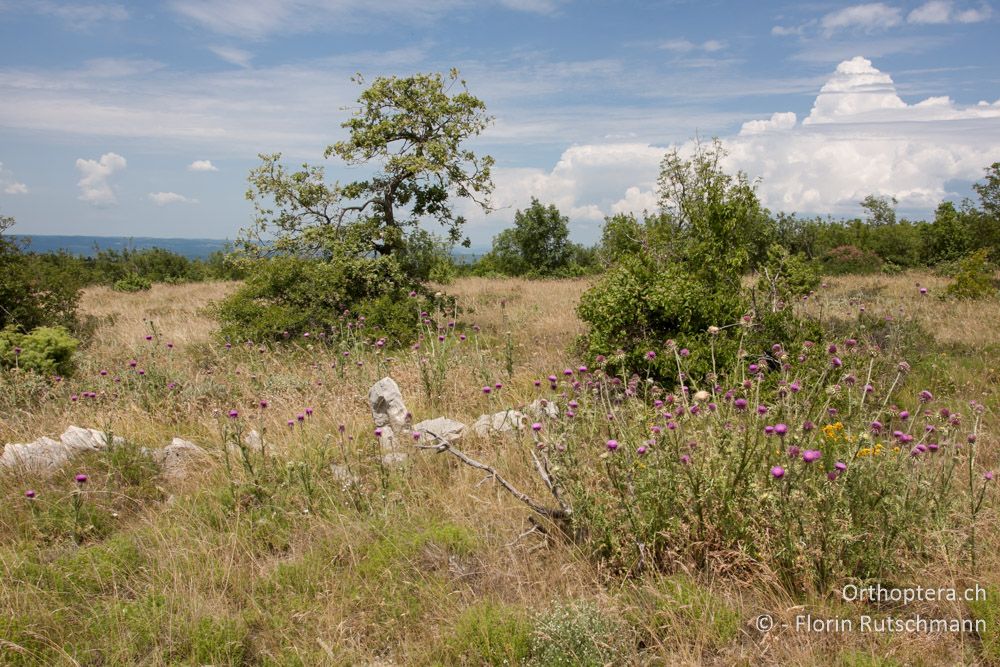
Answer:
x=550 y=512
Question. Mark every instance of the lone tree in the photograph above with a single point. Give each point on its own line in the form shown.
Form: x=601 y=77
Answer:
x=538 y=243
x=410 y=132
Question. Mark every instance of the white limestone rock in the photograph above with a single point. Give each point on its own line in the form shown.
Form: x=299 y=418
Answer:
x=449 y=429
x=507 y=421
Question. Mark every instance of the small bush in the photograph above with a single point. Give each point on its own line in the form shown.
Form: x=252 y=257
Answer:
x=132 y=283
x=45 y=350
x=973 y=279
x=577 y=634
x=850 y=259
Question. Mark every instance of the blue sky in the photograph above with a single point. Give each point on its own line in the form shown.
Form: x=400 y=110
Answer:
x=144 y=118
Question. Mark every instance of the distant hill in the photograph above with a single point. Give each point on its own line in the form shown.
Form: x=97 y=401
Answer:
x=87 y=246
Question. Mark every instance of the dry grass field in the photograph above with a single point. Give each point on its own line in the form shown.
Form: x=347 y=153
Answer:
x=444 y=567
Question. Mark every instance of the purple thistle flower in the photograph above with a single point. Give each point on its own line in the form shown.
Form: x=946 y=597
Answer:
x=684 y=352
x=81 y=478
x=309 y=412
x=740 y=404
x=762 y=409
x=781 y=429
x=650 y=355
x=793 y=451
x=233 y=414
x=777 y=472
x=263 y=404
x=832 y=475
x=641 y=450
x=612 y=445
x=904 y=415
x=840 y=465
x=811 y=455
x=685 y=459
x=988 y=475
x=378 y=433
x=876 y=427
x=487 y=390
x=291 y=423
x=926 y=396
x=300 y=417
x=808 y=426
x=769 y=430
x=536 y=427
x=836 y=362
x=30 y=494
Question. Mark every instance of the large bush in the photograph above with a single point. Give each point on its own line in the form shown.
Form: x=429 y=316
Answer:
x=287 y=297
x=33 y=294
x=682 y=278
x=537 y=246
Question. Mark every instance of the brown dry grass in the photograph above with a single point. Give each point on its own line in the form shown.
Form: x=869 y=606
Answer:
x=204 y=571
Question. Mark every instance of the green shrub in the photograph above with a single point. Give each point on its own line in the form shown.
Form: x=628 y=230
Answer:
x=132 y=283
x=284 y=298
x=34 y=294
x=578 y=634
x=45 y=350
x=973 y=279
x=788 y=276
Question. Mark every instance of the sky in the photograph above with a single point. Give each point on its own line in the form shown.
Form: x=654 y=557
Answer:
x=144 y=118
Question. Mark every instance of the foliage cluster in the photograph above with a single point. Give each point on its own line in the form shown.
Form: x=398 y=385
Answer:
x=30 y=298
x=43 y=350
x=679 y=274
x=333 y=250
x=537 y=246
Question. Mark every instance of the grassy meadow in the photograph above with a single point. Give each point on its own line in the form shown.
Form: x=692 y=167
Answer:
x=430 y=563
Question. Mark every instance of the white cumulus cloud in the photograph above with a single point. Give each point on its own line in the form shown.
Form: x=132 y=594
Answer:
x=165 y=198
x=860 y=138
x=94 y=186
x=202 y=165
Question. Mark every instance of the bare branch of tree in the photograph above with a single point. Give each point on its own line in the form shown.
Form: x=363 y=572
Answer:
x=445 y=446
